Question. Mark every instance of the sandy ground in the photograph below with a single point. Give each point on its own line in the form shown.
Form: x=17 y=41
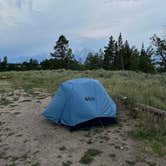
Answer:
x=28 y=139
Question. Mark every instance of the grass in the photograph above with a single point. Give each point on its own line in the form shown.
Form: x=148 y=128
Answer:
x=89 y=155
x=5 y=102
x=138 y=87
x=36 y=164
x=67 y=163
x=12 y=164
x=2 y=155
x=130 y=163
x=153 y=133
x=151 y=163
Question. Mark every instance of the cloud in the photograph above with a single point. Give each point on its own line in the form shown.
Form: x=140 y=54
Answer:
x=32 y=26
x=13 y=12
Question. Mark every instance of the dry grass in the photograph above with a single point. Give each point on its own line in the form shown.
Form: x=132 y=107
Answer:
x=138 y=87
x=89 y=155
x=153 y=131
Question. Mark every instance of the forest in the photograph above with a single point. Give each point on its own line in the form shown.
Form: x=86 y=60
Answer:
x=117 y=55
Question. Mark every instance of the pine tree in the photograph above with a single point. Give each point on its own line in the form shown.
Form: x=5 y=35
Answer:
x=94 y=61
x=62 y=52
x=4 y=64
x=142 y=60
x=33 y=64
x=145 y=62
x=109 y=54
x=89 y=63
x=134 y=59
x=120 y=58
x=127 y=56
x=100 y=57
x=5 y=61
x=116 y=58
x=0 y=65
x=61 y=48
x=160 y=46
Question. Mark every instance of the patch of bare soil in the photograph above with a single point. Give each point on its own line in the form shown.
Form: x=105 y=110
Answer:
x=27 y=139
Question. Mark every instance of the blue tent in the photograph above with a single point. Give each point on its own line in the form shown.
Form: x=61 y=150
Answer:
x=78 y=101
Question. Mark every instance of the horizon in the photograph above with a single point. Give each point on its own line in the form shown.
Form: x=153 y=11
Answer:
x=30 y=28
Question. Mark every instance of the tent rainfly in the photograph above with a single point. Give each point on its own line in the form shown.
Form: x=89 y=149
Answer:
x=78 y=101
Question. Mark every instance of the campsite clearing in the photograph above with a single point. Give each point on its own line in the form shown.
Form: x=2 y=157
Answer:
x=26 y=138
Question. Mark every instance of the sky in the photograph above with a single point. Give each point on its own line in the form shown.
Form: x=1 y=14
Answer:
x=31 y=27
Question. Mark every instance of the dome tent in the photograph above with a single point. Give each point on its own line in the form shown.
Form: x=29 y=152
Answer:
x=78 y=101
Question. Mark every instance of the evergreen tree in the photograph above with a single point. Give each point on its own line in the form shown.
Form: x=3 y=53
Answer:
x=109 y=54
x=127 y=56
x=160 y=46
x=100 y=55
x=33 y=64
x=4 y=64
x=0 y=65
x=100 y=58
x=134 y=59
x=116 y=58
x=145 y=62
x=69 y=58
x=120 y=58
x=5 y=60
x=62 y=52
x=142 y=60
x=94 y=61
x=89 y=62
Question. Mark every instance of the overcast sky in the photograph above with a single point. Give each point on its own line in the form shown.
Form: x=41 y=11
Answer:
x=30 y=27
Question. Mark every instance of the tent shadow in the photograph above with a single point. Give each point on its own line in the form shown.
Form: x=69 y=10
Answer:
x=97 y=122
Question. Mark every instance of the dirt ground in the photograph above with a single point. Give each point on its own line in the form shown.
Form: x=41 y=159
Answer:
x=28 y=139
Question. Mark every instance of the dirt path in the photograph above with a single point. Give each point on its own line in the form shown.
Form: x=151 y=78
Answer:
x=27 y=139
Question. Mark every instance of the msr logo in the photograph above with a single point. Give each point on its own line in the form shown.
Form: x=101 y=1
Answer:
x=89 y=98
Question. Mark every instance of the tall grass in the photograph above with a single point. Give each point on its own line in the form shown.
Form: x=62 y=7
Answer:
x=152 y=130
x=138 y=87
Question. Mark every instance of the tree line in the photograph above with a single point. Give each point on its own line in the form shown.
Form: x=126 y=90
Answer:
x=117 y=55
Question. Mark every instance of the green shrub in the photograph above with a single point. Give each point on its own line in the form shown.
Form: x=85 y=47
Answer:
x=89 y=155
